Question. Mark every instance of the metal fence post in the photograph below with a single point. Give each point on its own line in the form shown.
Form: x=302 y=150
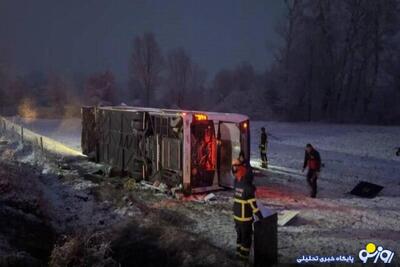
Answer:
x=41 y=143
x=22 y=134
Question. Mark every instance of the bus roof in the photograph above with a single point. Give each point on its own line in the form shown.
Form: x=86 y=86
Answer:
x=221 y=116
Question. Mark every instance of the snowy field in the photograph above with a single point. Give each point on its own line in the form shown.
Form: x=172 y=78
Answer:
x=67 y=131
x=350 y=153
x=336 y=223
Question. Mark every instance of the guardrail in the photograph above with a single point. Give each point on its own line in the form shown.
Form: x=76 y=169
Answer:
x=43 y=142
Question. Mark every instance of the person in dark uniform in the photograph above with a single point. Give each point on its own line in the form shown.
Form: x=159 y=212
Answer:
x=398 y=152
x=263 y=148
x=244 y=208
x=312 y=161
x=242 y=159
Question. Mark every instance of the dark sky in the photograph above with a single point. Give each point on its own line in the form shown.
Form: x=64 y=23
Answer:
x=90 y=35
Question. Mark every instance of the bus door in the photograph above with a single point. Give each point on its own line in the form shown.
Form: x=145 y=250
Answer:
x=229 y=149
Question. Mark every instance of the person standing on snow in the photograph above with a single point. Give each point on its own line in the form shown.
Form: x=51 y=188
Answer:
x=312 y=161
x=263 y=148
x=244 y=208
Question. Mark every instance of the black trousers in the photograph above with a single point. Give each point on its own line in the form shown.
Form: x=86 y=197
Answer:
x=264 y=160
x=244 y=231
x=263 y=157
x=312 y=182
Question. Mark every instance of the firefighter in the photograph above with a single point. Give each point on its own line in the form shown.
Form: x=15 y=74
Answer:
x=244 y=208
x=312 y=161
x=263 y=148
x=242 y=159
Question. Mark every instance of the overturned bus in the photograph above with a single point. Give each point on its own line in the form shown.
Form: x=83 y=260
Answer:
x=191 y=148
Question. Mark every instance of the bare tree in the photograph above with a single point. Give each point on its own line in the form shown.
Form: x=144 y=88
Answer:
x=179 y=71
x=4 y=81
x=244 y=77
x=56 y=91
x=146 y=64
x=223 y=83
x=100 y=88
x=331 y=63
x=197 y=92
x=185 y=79
x=16 y=91
x=293 y=13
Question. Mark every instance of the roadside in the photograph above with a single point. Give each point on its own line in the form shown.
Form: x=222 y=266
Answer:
x=335 y=223
x=70 y=217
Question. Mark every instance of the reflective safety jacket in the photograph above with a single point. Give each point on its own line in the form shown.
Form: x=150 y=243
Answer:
x=240 y=172
x=245 y=202
x=312 y=160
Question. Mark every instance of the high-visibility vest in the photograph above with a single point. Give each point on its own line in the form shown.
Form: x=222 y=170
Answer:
x=244 y=202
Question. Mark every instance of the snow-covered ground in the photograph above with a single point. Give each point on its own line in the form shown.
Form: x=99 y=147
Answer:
x=336 y=223
x=350 y=153
x=67 y=131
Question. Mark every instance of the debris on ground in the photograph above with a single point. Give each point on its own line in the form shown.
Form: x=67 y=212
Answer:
x=87 y=218
x=333 y=223
x=3 y=142
x=209 y=197
x=157 y=186
x=130 y=184
x=285 y=216
x=367 y=190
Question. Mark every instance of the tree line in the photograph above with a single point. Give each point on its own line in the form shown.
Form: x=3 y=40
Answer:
x=338 y=61
x=170 y=81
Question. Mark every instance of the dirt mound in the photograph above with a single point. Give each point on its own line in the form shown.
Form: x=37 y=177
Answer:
x=132 y=244
x=106 y=224
x=24 y=224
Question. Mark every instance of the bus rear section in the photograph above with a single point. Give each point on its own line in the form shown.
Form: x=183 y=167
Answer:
x=215 y=140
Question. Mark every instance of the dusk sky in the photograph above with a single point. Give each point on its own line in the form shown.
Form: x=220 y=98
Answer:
x=86 y=36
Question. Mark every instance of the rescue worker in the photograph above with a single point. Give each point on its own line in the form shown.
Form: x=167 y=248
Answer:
x=244 y=208
x=263 y=148
x=242 y=159
x=312 y=161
